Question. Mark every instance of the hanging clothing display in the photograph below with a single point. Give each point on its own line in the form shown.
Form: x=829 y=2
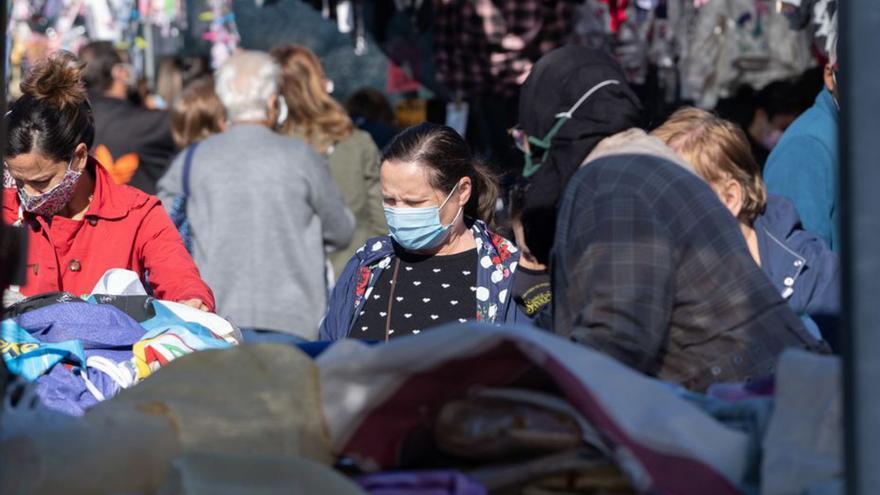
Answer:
x=40 y=27
x=223 y=33
x=489 y=46
x=349 y=17
x=820 y=15
x=592 y=25
x=738 y=42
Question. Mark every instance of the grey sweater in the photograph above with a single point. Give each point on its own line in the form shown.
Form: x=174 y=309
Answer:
x=262 y=210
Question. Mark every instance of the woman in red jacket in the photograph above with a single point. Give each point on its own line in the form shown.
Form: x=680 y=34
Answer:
x=80 y=223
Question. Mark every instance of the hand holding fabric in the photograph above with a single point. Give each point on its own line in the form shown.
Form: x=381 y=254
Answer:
x=196 y=303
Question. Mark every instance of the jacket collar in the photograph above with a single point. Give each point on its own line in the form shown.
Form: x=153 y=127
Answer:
x=779 y=259
x=109 y=201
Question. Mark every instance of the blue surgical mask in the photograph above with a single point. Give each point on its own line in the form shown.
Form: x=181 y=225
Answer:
x=416 y=229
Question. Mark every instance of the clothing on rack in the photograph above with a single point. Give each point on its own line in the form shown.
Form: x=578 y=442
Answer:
x=737 y=42
x=489 y=46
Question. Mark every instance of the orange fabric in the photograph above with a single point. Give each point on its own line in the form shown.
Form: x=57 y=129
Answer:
x=123 y=228
x=122 y=170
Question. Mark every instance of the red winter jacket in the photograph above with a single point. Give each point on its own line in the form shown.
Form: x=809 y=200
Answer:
x=123 y=228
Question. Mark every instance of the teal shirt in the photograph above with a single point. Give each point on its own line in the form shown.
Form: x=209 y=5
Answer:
x=803 y=167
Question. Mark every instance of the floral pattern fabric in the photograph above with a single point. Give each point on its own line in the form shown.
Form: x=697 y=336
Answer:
x=497 y=262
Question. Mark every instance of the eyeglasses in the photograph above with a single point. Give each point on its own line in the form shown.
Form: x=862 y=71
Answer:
x=524 y=142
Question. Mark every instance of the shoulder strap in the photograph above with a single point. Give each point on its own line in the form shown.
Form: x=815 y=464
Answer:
x=187 y=165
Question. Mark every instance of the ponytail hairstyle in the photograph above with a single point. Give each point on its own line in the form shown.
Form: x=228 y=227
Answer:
x=53 y=115
x=447 y=156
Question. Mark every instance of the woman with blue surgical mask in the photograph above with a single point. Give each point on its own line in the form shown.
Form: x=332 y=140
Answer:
x=439 y=263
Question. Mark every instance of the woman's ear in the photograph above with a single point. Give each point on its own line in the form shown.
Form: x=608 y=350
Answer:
x=732 y=195
x=80 y=157
x=465 y=189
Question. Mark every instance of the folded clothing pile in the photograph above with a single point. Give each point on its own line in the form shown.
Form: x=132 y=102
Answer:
x=241 y=420
x=83 y=351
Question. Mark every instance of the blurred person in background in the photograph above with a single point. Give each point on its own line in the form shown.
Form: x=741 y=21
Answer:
x=802 y=268
x=314 y=116
x=531 y=286
x=371 y=111
x=764 y=115
x=79 y=223
x=133 y=143
x=262 y=209
x=197 y=113
x=441 y=263
x=803 y=167
x=169 y=84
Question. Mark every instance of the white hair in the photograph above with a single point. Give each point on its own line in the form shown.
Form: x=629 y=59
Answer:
x=245 y=83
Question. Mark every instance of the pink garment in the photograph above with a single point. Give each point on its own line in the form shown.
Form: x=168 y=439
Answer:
x=741 y=391
x=617 y=8
x=421 y=483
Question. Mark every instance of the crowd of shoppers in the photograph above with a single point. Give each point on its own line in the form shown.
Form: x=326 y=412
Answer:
x=803 y=269
x=665 y=251
x=316 y=118
x=262 y=207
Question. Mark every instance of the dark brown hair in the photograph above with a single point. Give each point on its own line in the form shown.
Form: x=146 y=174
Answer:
x=197 y=113
x=442 y=150
x=370 y=104
x=99 y=58
x=53 y=115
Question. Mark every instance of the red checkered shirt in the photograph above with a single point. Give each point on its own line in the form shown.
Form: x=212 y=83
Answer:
x=489 y=46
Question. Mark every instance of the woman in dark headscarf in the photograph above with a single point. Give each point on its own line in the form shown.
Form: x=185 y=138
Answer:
x=573 y=98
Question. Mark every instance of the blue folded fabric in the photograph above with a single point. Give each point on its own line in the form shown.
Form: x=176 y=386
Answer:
x=30 y=358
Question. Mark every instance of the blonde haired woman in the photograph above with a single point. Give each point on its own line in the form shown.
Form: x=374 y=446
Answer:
x=800 y=265
x=313 y=115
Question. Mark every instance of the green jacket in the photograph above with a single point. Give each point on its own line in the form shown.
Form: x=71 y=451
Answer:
x=354 y=166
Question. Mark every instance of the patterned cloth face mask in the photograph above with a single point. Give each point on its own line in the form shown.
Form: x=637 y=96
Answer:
x=53 y=200
x=525 y=143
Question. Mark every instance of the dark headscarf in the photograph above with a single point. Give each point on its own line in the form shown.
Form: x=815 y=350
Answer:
x=557 y=82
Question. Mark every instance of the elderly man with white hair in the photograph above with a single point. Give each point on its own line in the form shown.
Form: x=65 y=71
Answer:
x=262 y=208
